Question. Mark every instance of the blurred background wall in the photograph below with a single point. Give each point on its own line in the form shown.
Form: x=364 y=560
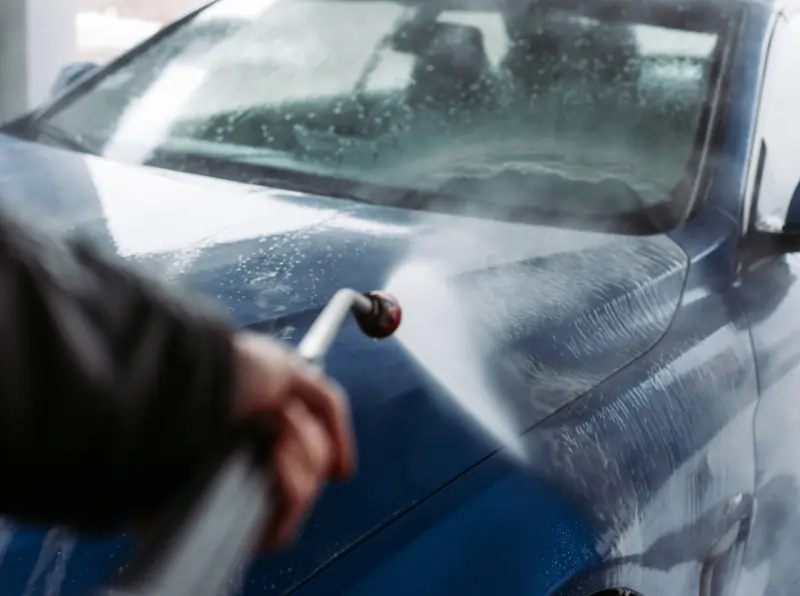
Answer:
x=104 y=28
x=39 y=37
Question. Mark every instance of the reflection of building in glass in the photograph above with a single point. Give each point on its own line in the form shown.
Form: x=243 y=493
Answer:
x=160 y=11
x=105 y=28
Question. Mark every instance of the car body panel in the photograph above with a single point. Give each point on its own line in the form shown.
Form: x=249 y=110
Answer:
x=273 y=259
x=770 y=292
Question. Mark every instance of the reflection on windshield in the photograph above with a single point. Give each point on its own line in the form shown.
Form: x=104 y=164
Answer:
x=537 y=109
x=161 y=105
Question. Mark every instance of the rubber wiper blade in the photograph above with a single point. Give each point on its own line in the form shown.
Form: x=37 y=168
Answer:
x=249 y=168
x=63 y=138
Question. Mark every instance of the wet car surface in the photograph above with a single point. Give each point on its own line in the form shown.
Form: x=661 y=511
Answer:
x=592 y=386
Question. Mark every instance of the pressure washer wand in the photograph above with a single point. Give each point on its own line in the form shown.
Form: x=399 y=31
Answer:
x=208 y=537
x=377 y=313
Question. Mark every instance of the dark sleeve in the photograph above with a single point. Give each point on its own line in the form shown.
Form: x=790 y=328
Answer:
x=112 y=392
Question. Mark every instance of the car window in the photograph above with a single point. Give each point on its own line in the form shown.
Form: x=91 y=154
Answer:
x=489 y=112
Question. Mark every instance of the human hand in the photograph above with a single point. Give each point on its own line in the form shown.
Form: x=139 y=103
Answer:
x=314 y=436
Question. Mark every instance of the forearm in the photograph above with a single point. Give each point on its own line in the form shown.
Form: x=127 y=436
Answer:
x=111 y=392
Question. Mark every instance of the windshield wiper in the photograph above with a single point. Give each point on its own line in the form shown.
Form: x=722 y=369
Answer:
x=248 y=169
x=63 y=138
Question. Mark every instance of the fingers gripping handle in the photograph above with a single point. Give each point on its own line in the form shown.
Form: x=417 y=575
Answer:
x=207 y=538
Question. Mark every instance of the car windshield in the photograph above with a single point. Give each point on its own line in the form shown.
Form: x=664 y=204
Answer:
x=524 y=114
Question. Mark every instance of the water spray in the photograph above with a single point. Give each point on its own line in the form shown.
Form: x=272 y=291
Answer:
x=207 y=538
x=448 y=344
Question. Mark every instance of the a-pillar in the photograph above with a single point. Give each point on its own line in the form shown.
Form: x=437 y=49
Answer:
x=37 y=38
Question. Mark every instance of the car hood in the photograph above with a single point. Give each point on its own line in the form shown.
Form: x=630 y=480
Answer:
x=503 y=323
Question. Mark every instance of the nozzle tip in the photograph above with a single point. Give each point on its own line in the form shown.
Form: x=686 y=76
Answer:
x=384 y=318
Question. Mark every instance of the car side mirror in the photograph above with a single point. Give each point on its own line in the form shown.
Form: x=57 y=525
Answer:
x=791 y=225
x=781 y=233
x=774 y=218
x=69 y=75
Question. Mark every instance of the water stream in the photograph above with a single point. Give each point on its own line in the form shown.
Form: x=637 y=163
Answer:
x=438 y=332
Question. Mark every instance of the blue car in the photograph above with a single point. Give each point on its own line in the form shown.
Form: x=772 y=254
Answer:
x=590 y=212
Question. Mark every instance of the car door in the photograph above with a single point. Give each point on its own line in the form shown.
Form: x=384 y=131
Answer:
x=770 y=284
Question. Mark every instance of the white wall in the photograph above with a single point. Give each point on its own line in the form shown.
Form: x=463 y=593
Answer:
x=104 y=35
x=37 y=38
x=13 y=86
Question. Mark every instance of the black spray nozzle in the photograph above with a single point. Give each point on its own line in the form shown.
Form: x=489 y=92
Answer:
x=379 y=316
x=377 y=313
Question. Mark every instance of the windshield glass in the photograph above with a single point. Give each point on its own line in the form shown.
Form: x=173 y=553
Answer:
x=520 y=113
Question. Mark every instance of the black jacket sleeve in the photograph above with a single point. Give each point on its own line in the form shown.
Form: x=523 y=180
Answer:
x=112 y=391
